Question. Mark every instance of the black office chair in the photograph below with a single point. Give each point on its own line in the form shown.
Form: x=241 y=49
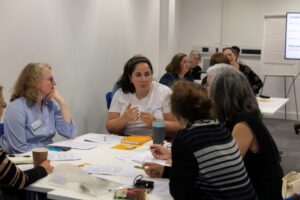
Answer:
x=297 y=127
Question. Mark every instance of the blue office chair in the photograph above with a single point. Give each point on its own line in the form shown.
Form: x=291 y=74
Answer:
x=108 y=97
x=294 y=197
x=1 y=129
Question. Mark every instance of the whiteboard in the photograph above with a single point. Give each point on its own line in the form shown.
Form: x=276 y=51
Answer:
x=272 y=60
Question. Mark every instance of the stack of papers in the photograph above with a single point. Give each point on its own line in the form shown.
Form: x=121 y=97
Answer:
x=21 y=159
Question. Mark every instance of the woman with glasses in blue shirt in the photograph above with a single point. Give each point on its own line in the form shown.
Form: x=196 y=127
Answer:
x=36 y=112
x=12 y=177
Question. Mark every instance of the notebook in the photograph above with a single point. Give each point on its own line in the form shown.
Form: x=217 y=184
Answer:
x=136 y=139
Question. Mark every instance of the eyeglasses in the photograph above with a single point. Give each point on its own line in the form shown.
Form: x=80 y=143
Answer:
x=51 y=79
x=4 y=104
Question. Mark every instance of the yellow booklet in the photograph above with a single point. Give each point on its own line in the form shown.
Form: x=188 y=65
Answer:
x=136 y=139
x=125 y=146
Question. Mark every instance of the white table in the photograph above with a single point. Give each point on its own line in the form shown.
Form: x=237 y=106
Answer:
x=102 y=154
x=270 y=106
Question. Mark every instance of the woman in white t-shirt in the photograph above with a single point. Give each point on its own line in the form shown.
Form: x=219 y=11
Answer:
x=139 y=100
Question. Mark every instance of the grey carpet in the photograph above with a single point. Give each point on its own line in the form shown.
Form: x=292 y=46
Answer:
x=287 y=141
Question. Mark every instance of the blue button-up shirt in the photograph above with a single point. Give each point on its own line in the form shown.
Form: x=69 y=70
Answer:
x=28 y=127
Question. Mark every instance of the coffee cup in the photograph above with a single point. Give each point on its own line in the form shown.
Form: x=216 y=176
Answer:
x=158 y=127
x=39 y=155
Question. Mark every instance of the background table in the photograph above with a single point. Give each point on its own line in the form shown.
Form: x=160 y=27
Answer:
x=270 y=106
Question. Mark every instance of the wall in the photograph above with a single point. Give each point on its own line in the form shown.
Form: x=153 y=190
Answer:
x=234 y=22
x=86 y=41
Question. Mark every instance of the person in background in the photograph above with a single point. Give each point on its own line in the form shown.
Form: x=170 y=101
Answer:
x=215 y=70
x=177 y=69
x=36 y=112
x=195 y=59
x=237 y=107
x=253 y=79
x=13 y=177
x=139 y=100
x=217 y=58
x=206 y=161
x=236 y=51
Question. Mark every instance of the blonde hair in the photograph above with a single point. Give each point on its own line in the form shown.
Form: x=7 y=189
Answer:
x=27 y=83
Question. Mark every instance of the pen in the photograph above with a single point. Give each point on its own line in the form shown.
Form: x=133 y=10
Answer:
x=82 y=164
x=87 y=140
x=138 y=167
x=14 y=155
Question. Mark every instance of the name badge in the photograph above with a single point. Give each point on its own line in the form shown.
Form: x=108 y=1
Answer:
x=35 y=125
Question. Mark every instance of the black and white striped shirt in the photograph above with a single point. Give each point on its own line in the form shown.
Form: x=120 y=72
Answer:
x=13 y=177
x=207 y=164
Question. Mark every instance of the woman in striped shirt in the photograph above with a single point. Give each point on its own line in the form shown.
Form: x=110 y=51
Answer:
x=13 y=177
x=206 y=161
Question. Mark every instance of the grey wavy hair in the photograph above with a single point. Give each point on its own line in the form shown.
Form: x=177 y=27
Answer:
x=218 y=69
x=232 y=94
x=195 y=52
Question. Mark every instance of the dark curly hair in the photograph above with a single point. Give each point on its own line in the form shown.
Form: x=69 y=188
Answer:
x=190 y=101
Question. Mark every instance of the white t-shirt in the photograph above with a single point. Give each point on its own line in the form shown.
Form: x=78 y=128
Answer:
x=157 y=102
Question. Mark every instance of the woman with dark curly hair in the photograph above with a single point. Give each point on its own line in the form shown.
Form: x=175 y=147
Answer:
x=139 y=100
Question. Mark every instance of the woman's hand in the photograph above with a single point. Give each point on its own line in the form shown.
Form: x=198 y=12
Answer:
x=131 y=114
x=48 y=167
x=153 y=170
x=160 y=152
x=147 y=118
x=56 y=96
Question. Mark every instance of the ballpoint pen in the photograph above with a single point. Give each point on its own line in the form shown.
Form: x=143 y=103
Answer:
x=15 y=155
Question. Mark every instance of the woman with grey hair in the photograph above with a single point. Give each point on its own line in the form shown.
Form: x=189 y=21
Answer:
x=215 y=70
x=196 y=70
x=237 y=107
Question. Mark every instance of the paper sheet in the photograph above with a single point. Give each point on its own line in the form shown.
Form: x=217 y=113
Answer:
x=102 y=138
x=62 y=156
x=141 y=157
x=111 y=170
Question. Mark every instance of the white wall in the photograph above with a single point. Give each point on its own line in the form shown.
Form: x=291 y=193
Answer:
x=234 y=22
x=87 y=43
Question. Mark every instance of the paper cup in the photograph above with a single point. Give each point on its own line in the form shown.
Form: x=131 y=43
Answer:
x=39 y=155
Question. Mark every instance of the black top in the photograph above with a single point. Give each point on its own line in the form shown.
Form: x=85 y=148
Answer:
x=253 y=79
x=169 y=78
x=263 y=167
x=196 y=72
x=207 y=164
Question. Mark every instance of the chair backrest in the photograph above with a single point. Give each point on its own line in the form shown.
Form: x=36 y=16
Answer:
x=1 y=129
x=108 y=97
